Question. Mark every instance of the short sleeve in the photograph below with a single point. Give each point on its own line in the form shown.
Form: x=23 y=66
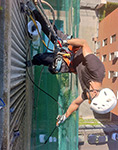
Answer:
x=95 y=67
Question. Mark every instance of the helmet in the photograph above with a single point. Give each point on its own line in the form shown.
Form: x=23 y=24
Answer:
x=32 y=30
x=104 y=102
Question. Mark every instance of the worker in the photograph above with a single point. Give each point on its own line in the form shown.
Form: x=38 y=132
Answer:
x=91 y=72
x=89 y=69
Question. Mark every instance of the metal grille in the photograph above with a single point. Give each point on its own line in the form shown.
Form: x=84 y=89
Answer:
x=17 y=75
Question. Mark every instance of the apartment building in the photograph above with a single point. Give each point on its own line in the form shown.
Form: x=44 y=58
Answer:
x=107 y=51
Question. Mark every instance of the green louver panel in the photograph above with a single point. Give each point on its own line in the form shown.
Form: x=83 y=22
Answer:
x=63 y=87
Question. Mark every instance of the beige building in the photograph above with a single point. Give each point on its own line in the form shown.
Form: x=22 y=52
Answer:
x=89 y=29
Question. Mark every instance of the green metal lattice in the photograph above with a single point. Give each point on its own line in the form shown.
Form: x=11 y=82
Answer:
x=62 y=86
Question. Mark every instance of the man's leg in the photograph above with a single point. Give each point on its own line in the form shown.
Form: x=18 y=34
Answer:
x=45 y=59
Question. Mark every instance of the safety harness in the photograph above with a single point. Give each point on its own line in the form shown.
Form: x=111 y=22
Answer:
x=62 y=53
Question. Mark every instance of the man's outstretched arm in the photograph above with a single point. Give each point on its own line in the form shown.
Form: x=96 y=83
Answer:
x=74 y=106
x=81 y=43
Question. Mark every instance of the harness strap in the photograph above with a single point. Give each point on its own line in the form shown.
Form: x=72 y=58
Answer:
x=68 y=60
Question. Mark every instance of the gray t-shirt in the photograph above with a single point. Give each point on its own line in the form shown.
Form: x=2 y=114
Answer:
x=88 y=69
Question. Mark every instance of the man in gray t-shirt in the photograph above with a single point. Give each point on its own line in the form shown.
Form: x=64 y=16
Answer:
x=88 y=67
x=91 y=72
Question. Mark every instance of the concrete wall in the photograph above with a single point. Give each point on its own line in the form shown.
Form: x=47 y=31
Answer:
x=88 y=26
x=88 y=30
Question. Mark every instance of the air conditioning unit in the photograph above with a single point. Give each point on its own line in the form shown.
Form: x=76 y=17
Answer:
x=115 y=74
x=116 y=54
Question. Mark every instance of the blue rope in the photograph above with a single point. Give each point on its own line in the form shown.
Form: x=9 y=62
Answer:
x=3 y=104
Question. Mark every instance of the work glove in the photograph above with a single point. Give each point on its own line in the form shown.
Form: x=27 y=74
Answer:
x=60 y=119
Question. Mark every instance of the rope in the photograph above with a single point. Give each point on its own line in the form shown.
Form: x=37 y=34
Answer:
x=45 y=18
x=52 y=10
x=39 y=87
x=42 y=69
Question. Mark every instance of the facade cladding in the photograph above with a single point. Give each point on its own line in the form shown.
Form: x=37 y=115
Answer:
x=13 y=72
x=107 y=51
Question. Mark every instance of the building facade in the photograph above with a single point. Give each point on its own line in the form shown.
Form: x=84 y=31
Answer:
x=15 y=87
x=107 y=51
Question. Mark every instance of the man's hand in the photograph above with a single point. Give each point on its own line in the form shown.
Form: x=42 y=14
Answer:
x=60 y=119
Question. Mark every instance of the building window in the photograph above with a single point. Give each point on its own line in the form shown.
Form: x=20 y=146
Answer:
x=98 y=45
x=117 y=95
x=104 y=57
x=111 y=56
x=110 y=74
x=116 y=54
x=115 y=75
x=113 y=38
x=104 y=42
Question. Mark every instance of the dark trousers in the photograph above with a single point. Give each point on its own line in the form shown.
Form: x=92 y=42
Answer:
x=46 y=58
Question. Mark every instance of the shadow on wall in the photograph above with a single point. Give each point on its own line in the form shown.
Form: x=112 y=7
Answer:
x=85 y=112
x=101 y=116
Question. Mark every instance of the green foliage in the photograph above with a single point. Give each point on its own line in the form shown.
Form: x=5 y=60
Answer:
x=88 y=122
x=1 y=8
x=102 y=12
x=110 y=7
x=64 y=79
x=107 y=9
